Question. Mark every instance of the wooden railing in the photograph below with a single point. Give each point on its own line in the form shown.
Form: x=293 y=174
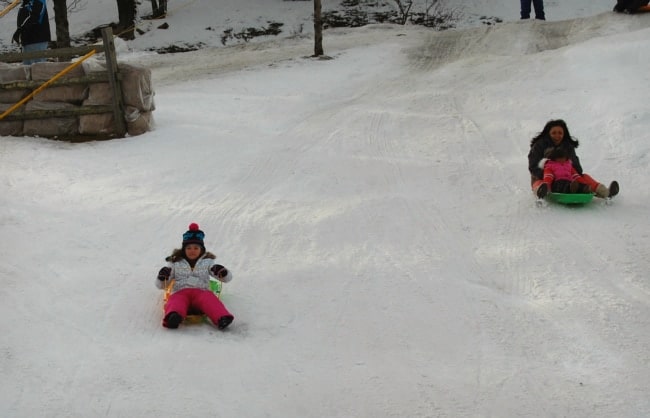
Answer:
x=111 y=75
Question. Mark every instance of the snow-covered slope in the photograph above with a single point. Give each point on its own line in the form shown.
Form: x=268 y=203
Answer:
x=388 y=257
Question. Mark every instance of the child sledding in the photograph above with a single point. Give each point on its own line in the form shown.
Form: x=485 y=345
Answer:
x=187 y=276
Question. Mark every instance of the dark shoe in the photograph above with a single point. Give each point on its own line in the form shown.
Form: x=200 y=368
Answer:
x=577 y=187
x=613 y=188
x=542 y=191
x=172 y=320
x=224 y=321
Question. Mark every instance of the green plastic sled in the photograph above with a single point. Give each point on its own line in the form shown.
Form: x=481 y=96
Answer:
x=570 y=198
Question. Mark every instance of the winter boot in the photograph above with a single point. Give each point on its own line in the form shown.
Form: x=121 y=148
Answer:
x=577 y=187
x=542 y=191
x=613 y=188
x=560 y=186
x=172 y=320
x=224 y=321
x=584 y=189
x=602 y=191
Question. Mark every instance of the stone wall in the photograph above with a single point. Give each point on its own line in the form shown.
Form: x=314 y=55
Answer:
x=137 y=93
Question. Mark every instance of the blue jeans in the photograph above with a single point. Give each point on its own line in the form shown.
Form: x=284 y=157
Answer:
x=40 y=46
x=539 y=9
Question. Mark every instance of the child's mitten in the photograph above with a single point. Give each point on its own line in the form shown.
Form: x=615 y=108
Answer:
x=164 y=273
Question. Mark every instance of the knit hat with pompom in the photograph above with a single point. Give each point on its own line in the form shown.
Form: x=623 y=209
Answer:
x=193 y=236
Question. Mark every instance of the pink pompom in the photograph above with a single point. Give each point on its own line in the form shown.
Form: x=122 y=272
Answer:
x=194 y=227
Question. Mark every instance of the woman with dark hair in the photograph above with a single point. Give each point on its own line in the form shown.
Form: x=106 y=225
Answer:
x=556 y=135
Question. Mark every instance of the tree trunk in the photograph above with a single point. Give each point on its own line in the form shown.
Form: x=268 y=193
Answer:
x=61 y=24
x=318 y=29
x=126 y=10
x=159 y=8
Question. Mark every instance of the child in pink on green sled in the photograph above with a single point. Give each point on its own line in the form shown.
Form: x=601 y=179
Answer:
x=191 y=267
x=559 y=174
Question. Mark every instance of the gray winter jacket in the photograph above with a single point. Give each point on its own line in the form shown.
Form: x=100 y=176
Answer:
x=184 y=276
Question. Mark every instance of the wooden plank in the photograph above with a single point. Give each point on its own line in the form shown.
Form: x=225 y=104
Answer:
x=98 y=77
x=114 y=81
x=50 y=53
x=60 y=113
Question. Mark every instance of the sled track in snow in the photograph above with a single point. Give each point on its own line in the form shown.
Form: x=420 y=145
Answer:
x=433 y=50
x=519 y=38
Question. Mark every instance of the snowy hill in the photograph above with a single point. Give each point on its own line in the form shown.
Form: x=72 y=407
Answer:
x=388 y=256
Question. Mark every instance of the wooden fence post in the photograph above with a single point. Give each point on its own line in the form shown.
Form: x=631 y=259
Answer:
x=114 y=78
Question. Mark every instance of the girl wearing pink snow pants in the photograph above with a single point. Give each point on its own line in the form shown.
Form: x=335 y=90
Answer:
x=191 y=268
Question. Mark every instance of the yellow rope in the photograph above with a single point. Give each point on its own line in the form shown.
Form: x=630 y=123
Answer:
x=68 y=69
x=8 y=8
x=47 y=83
